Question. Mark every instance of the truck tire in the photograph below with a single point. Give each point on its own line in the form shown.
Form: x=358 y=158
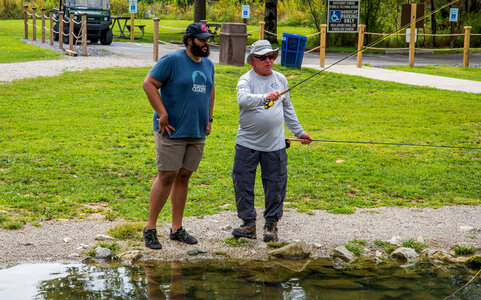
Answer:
x=106 y=37
x=55 y=35
x=66 y=37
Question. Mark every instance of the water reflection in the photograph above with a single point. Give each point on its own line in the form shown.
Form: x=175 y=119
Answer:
x=154 y=282
x=236 y=280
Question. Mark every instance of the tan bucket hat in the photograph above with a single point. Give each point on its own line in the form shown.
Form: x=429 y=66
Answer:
x=261 y=47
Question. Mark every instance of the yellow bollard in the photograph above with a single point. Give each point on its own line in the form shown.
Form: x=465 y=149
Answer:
x=467 y=32
x=360 y=45
x=413 y=35
x=322 y=49
x=261 y=30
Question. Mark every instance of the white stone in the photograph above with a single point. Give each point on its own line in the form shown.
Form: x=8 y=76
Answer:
x=466 y=228
x=396 y=240
x=103 y=237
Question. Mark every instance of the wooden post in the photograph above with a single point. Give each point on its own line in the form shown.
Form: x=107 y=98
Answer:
x=70 y=31
x=34 y=25
x=84 y=34
x=156 y=39
x=25 y=20
x=43 y=25
x=413 y=35
x=360 y=44
x=60 y=30
x=51 y=27
x=132 y=26
x=322 y=49
x=261 y=30
x=467 y=32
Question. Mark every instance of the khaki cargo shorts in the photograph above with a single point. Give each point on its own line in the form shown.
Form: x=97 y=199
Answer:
x=173 y=154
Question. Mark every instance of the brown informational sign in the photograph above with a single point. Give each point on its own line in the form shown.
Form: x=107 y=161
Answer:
x=406 y=15
x=343 y=15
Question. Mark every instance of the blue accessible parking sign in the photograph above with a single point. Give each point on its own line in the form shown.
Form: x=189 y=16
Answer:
x=335 y=16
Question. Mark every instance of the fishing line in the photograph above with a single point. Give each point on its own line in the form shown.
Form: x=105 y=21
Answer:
x=463 y=285
x=385 y=143
x=366 y=47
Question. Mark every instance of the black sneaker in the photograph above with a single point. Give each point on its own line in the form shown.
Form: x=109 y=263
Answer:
x=151 y=240
x=247 y=230
x=270 y=232
x=183 y=236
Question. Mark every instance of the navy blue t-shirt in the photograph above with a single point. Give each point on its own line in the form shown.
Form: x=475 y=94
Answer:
x=186 y=91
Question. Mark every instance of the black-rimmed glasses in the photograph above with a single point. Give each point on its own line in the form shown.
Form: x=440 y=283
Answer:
x=264 y=57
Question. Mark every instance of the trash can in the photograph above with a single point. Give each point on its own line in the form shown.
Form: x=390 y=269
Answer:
x=233 y=40
x=292 y=49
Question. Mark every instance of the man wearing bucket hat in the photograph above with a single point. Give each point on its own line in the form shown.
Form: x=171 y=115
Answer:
x=182 y=119
x=260 y=139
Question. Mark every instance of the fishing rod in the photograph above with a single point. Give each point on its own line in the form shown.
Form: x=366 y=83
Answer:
x=268 y=102
x=382 y=143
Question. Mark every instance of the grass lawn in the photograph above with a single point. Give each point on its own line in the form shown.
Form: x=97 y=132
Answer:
x=68 y=152
x=13 y=50
x=455 y=72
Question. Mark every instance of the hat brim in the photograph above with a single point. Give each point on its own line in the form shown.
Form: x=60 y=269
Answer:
x=203 y=35
x=263 y=52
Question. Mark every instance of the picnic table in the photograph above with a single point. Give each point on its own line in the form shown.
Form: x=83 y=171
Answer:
x=213 y=28
x=119 y=20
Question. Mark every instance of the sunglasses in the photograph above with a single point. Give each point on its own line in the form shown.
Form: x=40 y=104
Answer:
x=264 y=57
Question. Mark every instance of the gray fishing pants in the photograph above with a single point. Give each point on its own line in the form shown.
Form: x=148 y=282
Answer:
x=274 y=179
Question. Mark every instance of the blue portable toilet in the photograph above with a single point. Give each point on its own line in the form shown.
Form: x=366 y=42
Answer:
x=292 y=49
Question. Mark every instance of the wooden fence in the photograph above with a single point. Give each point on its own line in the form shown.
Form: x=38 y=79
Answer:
x=60 y=32
x=360 y=42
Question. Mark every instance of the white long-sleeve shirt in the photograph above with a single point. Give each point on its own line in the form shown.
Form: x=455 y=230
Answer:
x=259 y=128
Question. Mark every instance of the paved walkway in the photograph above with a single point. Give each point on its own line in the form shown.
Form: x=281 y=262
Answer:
x=438 y=82
x=140 y=54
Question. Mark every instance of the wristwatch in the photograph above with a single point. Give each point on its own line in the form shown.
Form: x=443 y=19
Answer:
x=211 y=120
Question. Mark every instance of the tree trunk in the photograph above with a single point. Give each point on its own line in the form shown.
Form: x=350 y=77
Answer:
x=199 y=10
x=270 y=17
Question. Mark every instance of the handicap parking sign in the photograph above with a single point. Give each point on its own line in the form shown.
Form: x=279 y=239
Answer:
x=245 y=11
x=335 y=16
x=453 y=14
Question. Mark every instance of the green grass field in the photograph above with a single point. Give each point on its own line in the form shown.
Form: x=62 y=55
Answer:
x=13 y=50
x=91 y=142
x=66 y=150
x=455 y=72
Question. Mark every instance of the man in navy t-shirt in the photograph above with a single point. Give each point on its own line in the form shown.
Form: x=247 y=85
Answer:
x=180 y=88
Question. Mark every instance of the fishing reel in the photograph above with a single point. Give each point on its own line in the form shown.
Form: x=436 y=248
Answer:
x=268 y=103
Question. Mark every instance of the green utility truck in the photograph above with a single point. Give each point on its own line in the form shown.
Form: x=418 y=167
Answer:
x=98 y=19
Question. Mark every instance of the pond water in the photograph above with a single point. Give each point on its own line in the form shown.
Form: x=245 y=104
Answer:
x=214 y=279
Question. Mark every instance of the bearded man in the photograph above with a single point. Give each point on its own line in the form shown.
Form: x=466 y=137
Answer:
x=180 y=89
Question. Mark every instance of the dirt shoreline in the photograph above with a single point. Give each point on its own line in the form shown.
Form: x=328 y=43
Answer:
x=440 y=229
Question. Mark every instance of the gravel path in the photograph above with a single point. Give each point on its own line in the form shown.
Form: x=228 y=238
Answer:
x=440 y=228
x=56 y=240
